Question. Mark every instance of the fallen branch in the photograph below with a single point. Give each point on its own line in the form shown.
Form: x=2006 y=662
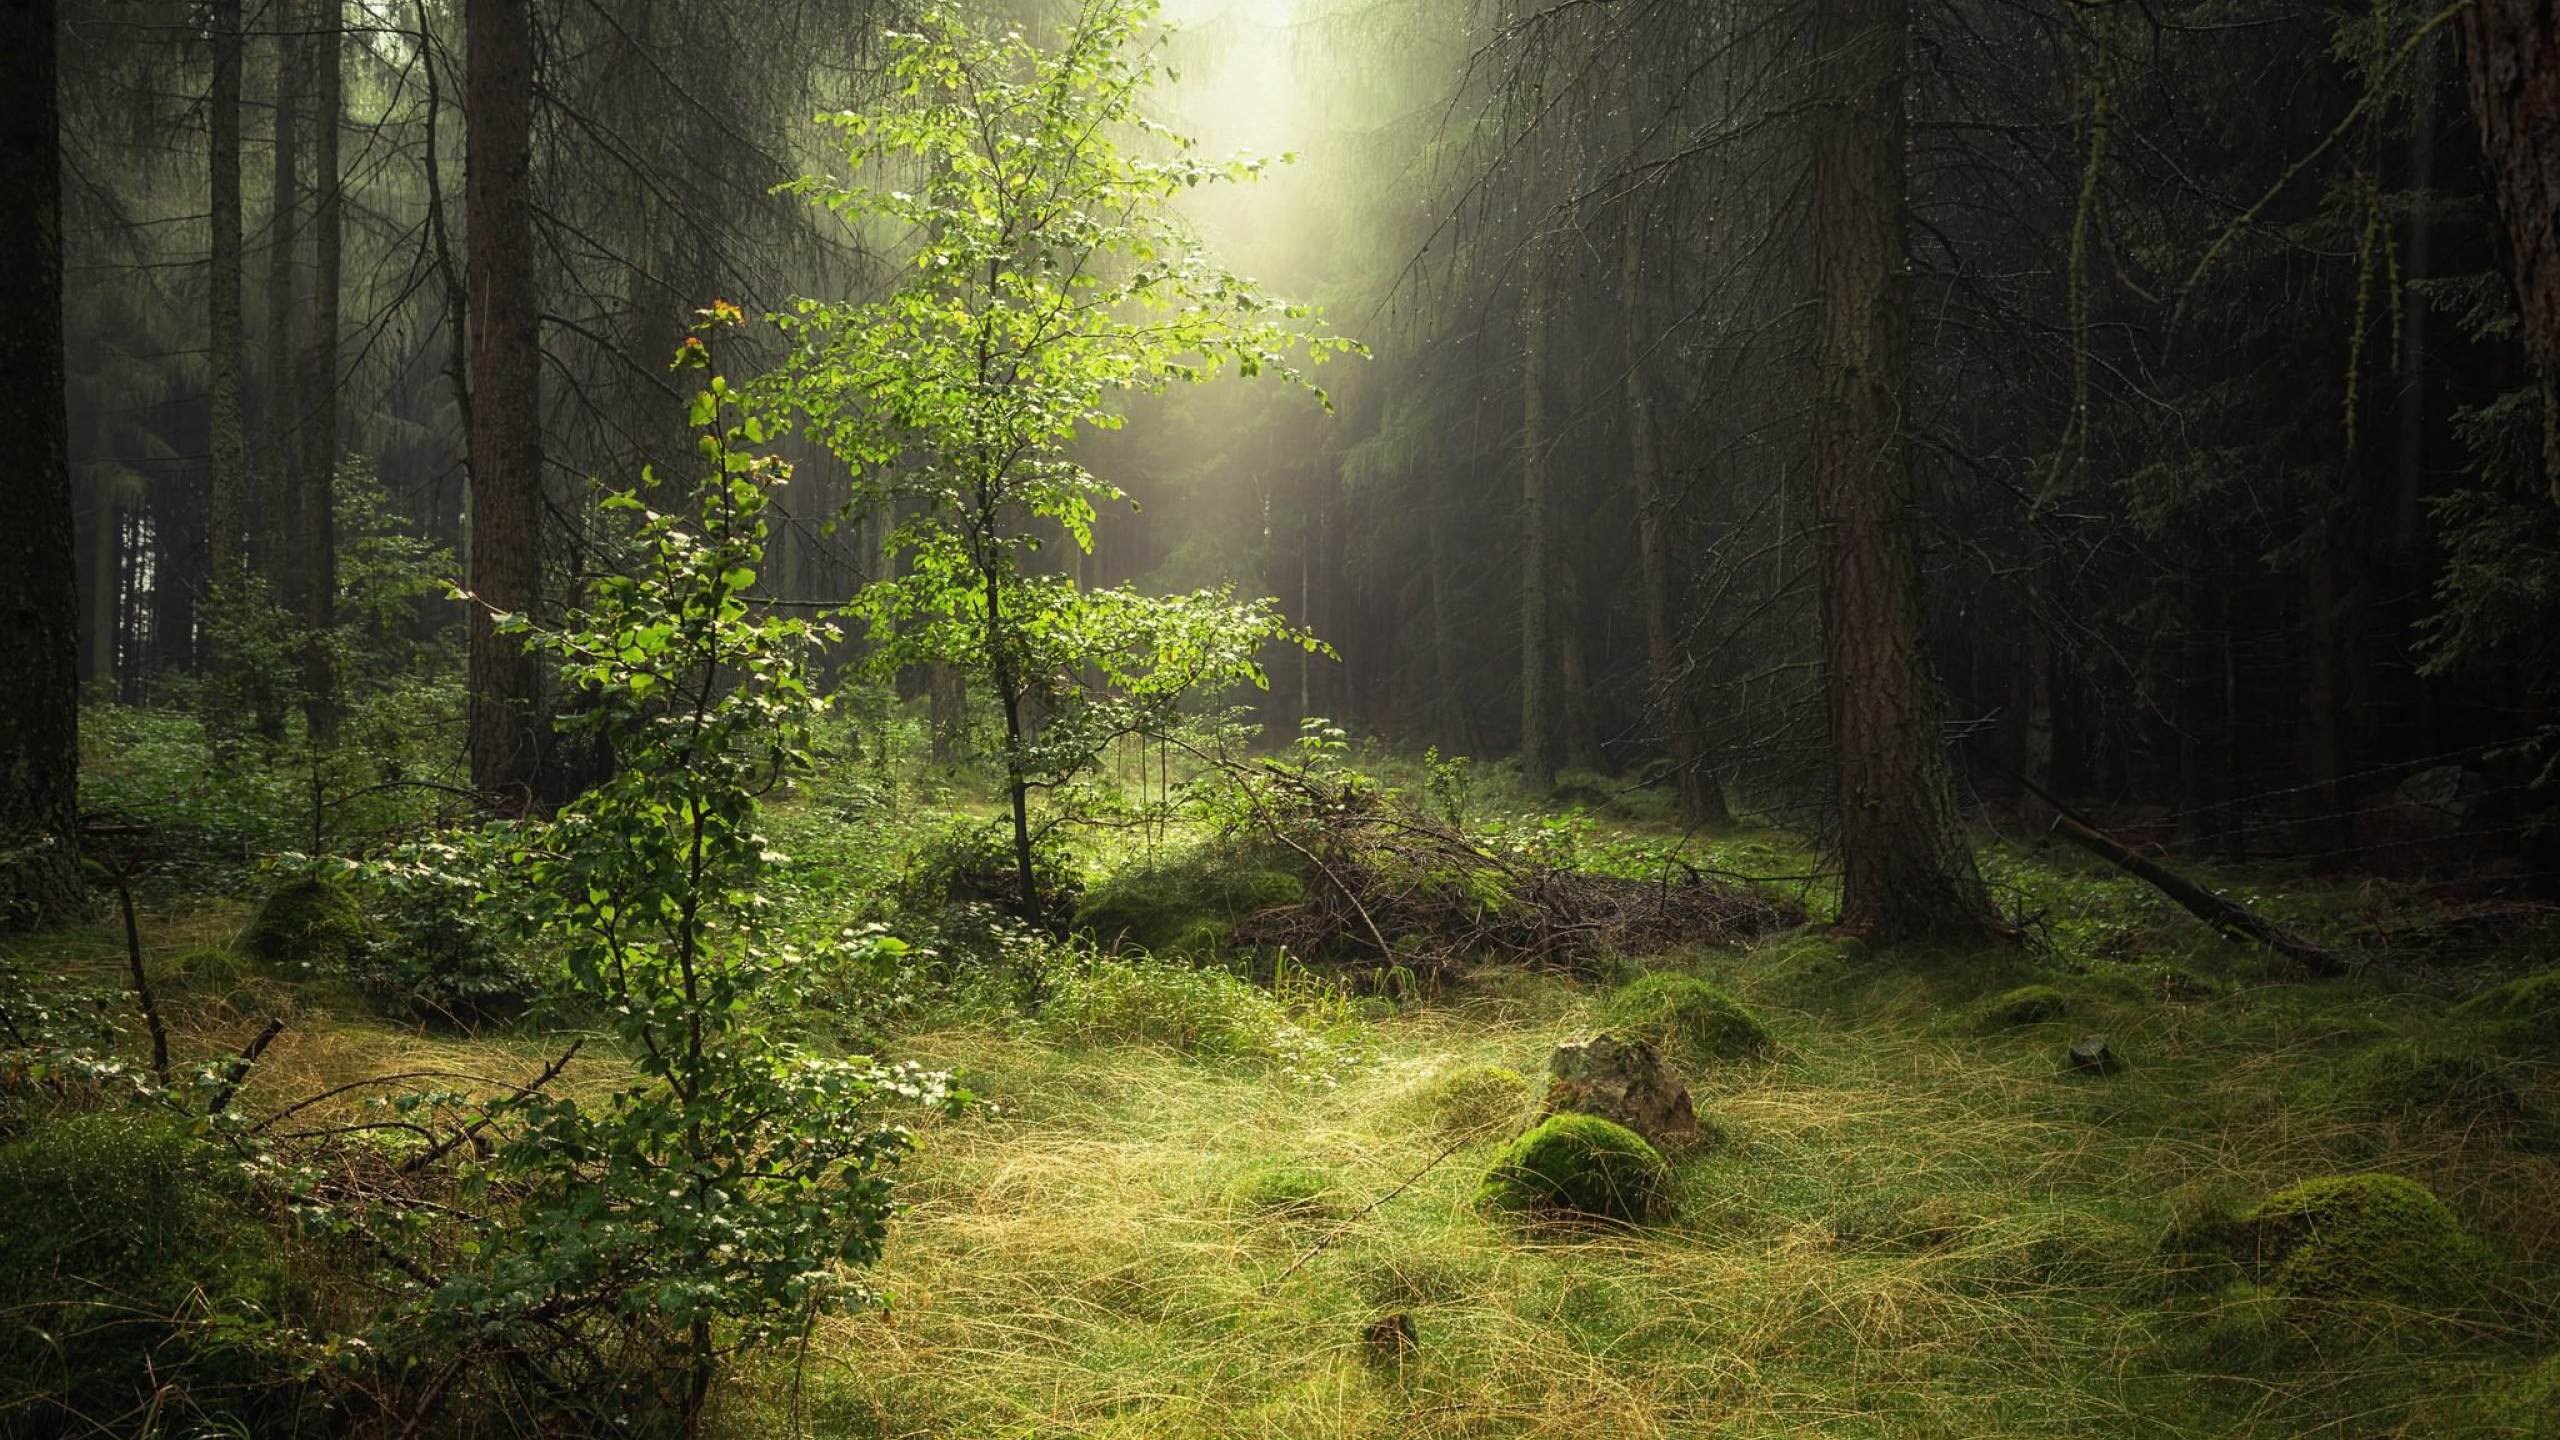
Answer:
x=249 y=1054
x=2227 y=917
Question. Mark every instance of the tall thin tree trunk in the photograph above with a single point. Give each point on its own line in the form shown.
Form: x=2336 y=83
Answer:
x=506 y=416
x=1448 y=708
x=272 y=534
x=1701 y=798
x=226 y=558
x=2511 y=61
x=1537 y=704
x=39 y=583
x=320 y=469
x=1907 y=870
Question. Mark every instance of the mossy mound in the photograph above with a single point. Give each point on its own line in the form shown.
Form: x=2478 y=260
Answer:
x=2345 y=1239
x=121 y=1236
x=308 y=924
x=1186 y=905
x=1687 y=1018
x=2521 y=1014
x=1579 y=1167
x=1471 y=1100
x=2402 y=1079
x=2026 y=1005
x=2527 y=1406
x=1284 y=1190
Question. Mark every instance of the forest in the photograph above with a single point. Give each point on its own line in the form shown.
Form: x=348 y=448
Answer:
x=1316 y=719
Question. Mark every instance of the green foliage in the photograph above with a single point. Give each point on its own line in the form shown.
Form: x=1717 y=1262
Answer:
x=1185 y=903
x=2347 y=1238
x=726 y=1180
x=308 y=925
x=1139 y=1000
x=1045 y=279
x=1579 y=1167
x=132 y=1259
x=1688 y=1018
x=438 y=951
x=2026 y=1005
x=147 y=768
x=972 y=861
x=1447 y=786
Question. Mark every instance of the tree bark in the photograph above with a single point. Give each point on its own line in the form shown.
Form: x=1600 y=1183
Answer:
x=272 y=534
x=1537 y=704
x=39 y=586
x=320 y=466
x=2511 y=67
x=1448 y=710
x=506 y=418
x=1907 y=870
x=226 y=557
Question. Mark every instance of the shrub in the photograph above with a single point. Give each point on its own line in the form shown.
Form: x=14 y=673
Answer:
x=436 y=954
x=124 y=1243
x=1471 y=1100
x=2348 y=1238
x=1688 y=1018
x=308 y=925
x=972 y=863
x=2026 y=1005
x=1582 y=1167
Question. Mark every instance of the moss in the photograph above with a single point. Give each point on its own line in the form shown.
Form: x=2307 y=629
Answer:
x=1185 y=905
x=1471 y=1100
x=2521 y=1014
x=1284 y=1190
x=307 y=924
x=2026 y=1005
x=2362 y=1238
x=2401 y=1079
x=120 y=1236
x=1579 y=1166
x=2527 y=1406
x=1688 y=1018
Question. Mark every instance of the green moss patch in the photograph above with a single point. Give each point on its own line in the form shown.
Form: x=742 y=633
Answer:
x=1185 y=905
x=1579 y=1167
x=2521 y=1014
x=2026 y=1005
x=2362 y=1238
x=1471 y=1100
x=2445 y=1088
x=1284 y=1189
x=1688 y=1018
x=307 y=924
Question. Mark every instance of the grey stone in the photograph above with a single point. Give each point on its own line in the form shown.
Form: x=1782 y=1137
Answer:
x=1621 y=1080
x=2091 y=1055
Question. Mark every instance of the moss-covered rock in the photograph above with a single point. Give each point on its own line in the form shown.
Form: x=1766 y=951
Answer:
x=2446 y=1088
x=1579 y=1167
x=1471 y=1100
x=307 y=924
x=120 y=1236
x=2362 y=1238
x=2521 y=1014
x=1284 y=1189
x=2026 y=1005
x=1688 y=1018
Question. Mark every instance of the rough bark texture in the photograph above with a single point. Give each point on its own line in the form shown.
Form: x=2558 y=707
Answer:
x=1907 y=870
x=39 y=593
x=506 y=416
x=1537 y=701
x=271 y=535
x=226 y=558
x=2511 y=66
x=320 y=466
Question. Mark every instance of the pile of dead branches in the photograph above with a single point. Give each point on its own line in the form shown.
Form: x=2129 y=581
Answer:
x=1387 y=884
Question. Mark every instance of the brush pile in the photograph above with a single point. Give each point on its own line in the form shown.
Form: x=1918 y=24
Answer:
x=1387 y=884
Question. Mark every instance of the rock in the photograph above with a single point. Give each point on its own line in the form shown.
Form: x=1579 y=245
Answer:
x=2091 y=1055
x=1579 y=1167
x=2448 y=790
x=1624 y=1082
x=1390 y=1338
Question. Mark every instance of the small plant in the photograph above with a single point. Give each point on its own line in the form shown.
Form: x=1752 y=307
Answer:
x=1448 y=785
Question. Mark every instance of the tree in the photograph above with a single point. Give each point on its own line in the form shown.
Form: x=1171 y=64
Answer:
x=1906 y=868
x=507 y=726
x=226 y=553
x=39 y=595
x=320 y=469
x=1044 y=278
x=2511 y=59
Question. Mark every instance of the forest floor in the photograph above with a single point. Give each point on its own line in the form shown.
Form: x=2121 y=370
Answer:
x=1911 y=1220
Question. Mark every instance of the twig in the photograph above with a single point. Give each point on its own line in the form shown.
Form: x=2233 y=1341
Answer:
x=1338 y=1231
x=249 y=1054
x=141 y=982
x=444 y=1147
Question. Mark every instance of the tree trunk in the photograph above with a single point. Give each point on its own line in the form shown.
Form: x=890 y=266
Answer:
x=1448 y=709
x=506 y=416
x=2511 y=65
x=1907 y=870
x=226 y=559
x=39 y=586
x=272 y=534
x=320 y=467
x=1700 y=798
x=1537 y=705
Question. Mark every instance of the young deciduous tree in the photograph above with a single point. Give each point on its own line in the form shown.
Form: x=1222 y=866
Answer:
x=1045 y=279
